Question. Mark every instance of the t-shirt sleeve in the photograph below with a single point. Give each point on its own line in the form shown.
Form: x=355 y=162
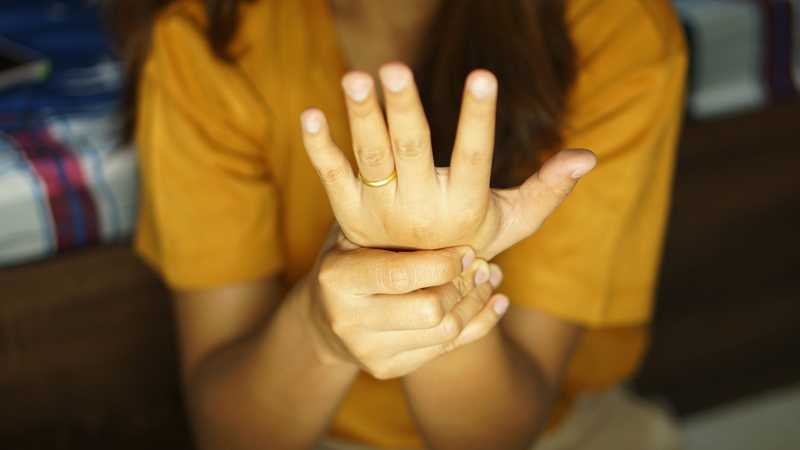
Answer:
x=208 y=206
x=595 y=260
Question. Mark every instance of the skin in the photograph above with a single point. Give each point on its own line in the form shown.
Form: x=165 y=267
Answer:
x=264 y=373
x=426 y=207
x=265 y=365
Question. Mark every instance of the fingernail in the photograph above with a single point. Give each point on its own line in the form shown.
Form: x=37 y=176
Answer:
x=496 y=277
x=581 y=171
x=395 y=77
x=357 y=86
x=482 y=84
x=500 y=304
x=311 y=120
x=482 y=274
x=467 y=260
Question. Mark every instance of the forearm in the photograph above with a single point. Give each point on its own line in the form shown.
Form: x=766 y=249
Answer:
x=268 y=390
x=487 y=395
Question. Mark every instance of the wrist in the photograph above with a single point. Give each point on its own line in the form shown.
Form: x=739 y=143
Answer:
x=486 y=239
x=311 y=317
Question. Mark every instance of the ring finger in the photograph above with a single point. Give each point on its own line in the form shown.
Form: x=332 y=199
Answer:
x=479 y=327
x=371 y=143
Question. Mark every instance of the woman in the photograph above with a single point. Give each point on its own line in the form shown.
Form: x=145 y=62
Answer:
x=389 y=334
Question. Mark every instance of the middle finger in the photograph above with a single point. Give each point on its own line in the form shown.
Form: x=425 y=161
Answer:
x=411 y=139
x=422 y=309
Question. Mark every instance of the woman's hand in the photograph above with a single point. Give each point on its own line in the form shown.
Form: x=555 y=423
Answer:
x=391 y=312
x=426 y=207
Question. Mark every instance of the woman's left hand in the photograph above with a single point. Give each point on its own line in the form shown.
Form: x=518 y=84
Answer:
x=424 y=207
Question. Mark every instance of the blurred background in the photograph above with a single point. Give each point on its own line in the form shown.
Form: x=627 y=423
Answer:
x=87 y=358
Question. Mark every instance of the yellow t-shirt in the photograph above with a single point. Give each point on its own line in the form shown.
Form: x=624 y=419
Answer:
x=229 y=195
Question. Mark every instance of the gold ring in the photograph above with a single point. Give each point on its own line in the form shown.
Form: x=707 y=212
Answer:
x=379 y=183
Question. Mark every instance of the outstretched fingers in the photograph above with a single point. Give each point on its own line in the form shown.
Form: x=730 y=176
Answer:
x=555 y=180
x=471 y=163
x=544 y=191
x=332 y=166
x=371 y=144
x=411 y=140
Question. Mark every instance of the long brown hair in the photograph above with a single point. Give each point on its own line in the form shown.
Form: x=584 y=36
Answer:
x=526 y=43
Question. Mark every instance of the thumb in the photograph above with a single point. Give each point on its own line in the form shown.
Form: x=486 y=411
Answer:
x=545 y=190
x=562 y=171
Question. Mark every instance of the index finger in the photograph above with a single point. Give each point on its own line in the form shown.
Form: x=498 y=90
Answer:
x=471 y=163
x=369 y=271
x=332 y=166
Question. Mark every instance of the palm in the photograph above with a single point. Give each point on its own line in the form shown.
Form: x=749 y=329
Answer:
x=426 y=207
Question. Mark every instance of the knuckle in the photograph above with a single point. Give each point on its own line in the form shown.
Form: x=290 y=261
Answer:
x=382 y=372
x=485 y=292
x=471 y=215
x=364 y=349
x=461 y=285
x=451 y=327
x=360 y=352
x=332 y=174
x=431 y=311
x=396 y=277
x=327 y=273
x=371 y=156
x=557 y=190
x=410 y=148
x=475 y=156
x=423 y=224
x=452 y=295
x=451 y=267
x=552 y=188
x=441 y=270
x=480 y=293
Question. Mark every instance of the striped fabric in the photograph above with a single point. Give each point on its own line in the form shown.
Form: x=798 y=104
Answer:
x=65 y=184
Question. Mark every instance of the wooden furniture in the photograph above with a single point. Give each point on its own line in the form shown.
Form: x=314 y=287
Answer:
x=87 y=358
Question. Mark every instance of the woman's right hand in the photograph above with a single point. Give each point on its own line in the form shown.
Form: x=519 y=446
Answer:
x=391 y=312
